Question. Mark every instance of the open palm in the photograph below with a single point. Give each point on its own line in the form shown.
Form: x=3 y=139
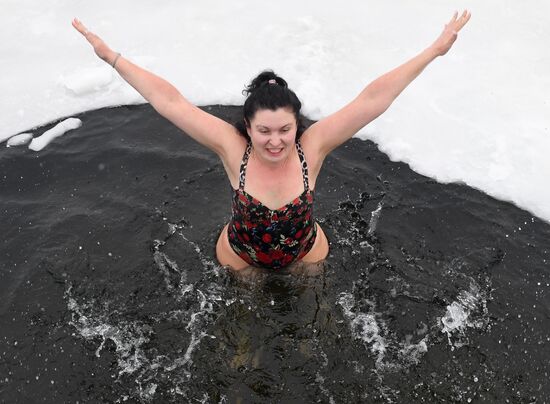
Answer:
x=101 y=49
x=450 y=33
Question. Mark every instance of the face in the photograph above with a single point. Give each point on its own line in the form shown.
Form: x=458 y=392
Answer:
x=273 y=133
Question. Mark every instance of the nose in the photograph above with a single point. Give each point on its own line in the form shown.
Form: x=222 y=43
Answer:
x=275 y=141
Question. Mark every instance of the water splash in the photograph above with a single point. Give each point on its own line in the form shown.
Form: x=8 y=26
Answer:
x=374 y=216
x=365 y=327
x=169 y=268
x=469 y=310
x=127 y=336
x=391 y=353
x=187 y=307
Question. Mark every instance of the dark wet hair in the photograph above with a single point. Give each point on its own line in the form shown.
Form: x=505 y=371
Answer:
x=269 y=91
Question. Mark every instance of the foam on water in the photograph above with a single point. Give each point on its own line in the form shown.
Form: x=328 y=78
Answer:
x=169 y=267
x=467 y=310
x=95 y=320
x=400 y=285
x=128 y=337
x=370 y=328
x=206 y=262
x=374 y=216
x=320 y=380
x=323 y=366
x=365 y=327
x=352 y=236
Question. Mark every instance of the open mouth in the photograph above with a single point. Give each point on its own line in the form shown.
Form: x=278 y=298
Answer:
x=275 y=152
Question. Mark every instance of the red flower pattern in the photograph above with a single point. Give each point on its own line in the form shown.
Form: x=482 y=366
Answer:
x=268 y=238
x=271 y=238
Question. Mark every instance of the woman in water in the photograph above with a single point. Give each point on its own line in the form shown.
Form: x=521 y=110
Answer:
x=269 y=158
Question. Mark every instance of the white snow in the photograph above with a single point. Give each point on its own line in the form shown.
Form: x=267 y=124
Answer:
x=480 y=115
x=38 y=143
x=19 y=140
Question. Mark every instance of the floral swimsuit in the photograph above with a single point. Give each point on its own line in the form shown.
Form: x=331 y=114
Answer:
x=271 y=238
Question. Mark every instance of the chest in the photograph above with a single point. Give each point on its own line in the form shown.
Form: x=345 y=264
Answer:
x=274 y=188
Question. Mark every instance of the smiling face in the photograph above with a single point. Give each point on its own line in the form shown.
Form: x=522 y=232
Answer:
x=273 y=134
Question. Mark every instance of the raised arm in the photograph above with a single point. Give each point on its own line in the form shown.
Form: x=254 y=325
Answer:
x=207 y=129
x=330 y=132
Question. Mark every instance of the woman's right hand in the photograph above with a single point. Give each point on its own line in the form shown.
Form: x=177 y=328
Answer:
x=101 y=49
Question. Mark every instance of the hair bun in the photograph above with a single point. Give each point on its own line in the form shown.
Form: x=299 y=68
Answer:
x=267 y=91
x=267 y=77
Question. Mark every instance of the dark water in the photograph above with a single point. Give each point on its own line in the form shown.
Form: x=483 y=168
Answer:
x=110 y=291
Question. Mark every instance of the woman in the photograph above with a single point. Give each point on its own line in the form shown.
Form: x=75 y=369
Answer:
x=269 y=158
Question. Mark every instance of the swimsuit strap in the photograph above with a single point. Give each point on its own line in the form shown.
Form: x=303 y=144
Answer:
x=244 y=163
x=303 y=163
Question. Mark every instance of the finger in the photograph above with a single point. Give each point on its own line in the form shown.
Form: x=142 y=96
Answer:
x=77 y=25
x=455 y=16
x=467 y=18
x=460 y=22
x=80 y=27
x=464 y=16
x=463 y=20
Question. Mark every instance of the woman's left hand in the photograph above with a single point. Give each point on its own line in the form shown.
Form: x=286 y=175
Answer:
x=442 y=45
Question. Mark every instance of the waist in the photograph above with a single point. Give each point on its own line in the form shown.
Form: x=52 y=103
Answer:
x=272 y=245
x=271 y=238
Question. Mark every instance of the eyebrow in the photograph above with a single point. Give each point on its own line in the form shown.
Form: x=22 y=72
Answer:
x=260 y=126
